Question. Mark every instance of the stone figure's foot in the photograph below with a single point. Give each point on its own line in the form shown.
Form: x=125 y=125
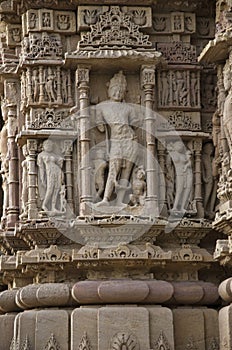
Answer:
x=103 y=203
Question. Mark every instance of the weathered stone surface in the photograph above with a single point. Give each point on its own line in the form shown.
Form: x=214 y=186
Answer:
x=84 y=328
x=189 y=329
x=7 y=329
x=187 y=293
x=7 y=301
x=130 y=326
x=52 y=329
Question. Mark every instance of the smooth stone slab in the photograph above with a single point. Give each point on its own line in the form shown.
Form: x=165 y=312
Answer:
x=225 y=327
x=86 y=292
x=53 y=294
x=7 y=301
x=123 y=325
x=52 y=326
x=187 y=292
x=84 y=327
x=189 y=328
x=123 y=291
x=159 y=291
x=6 y=330
x=211 y=328
x=161 y=327
x=26 y=328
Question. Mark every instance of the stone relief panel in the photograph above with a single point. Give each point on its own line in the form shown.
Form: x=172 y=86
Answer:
x=179 y=89
x=178 y=52
x=115 y=28
x=208 y=91
x=180 y=120
x=176 y=22
x=49 y=118
x=90 y=15
x=49 y=20
x=46 y=85
x=41 y=46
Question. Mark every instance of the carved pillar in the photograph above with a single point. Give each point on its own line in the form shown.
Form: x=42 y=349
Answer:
x=59 y=98
x=29 y=86
x=70 y=99
x=198 y=178
x=68 y=147
x=148 y=83
x=41 y=85
x=82 y=82
x=32 y=179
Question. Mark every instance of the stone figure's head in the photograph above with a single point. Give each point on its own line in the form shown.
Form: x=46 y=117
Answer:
x=117 y=87
x=208 y=148
x=227 y=76
x=48 y=146
x=25 y=150
x=141 y=173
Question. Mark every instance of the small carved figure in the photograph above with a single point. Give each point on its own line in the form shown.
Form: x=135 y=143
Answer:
x=35 y=85
x=50 y=85
x=164 y=89
x=180 y=89
x=46 y=19
x=32 y=20
x=183 y=181
x=194 y=89
x=170 y=185
x=24 y=164
x=138 y=188
x=63 y=22
x=118 y=120
x=209 y=181
x=50 y=178
x=177 y=24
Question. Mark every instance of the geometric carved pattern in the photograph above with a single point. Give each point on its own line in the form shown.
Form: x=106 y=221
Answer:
x=51 y=119
x=115 y=28
x=178 y=52
x=124 y=341
x=52 y=344
x=162 y=343
x=84 y=344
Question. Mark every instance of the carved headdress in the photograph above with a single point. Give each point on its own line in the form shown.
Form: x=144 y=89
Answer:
x=118 y=79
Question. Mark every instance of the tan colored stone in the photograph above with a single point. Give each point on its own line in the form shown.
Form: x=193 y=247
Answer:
x=211 y=329
x=189 y=332
x=53 y=294
x=6 y=330
x=225 y=320
x=52 y=327
x=7 y=301
x=132 y=322
x=84 y=325
x=26 y=328
x=159 y=292
x=86 y=292
x=187 y=292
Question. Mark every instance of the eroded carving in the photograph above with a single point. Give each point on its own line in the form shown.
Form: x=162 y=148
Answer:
x=178 y=52
x=84 y=343
x=115 y=28
x=124 y=340
x=52 y=344
x=51 y=179
x=162 y=343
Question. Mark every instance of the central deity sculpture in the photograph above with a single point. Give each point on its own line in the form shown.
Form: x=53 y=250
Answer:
x=118 y=121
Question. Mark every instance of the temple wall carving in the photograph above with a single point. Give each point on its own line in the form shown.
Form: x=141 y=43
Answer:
x=115 y=150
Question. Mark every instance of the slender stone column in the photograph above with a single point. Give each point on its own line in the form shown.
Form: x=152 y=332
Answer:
x=32 y=179
x=198 y=176
x=148 y=83
x=59 y=98
x=29 y=85
x=162 y=185
x=13 y=180
x=68 y=147
x=82 y=82
x=41 y=85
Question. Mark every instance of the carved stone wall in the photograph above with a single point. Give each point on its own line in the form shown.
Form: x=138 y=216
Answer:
x=115 y=174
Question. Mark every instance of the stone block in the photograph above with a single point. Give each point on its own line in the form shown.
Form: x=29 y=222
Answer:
x=225 y=327
x=211 y=329
x=122 y=325
x=189 y=329
x=84 y=328
x=26 y=328
x=52 y=329
x=6 y=330
x=161 y=327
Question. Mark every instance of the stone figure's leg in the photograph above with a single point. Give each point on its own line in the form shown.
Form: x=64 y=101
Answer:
x=114 y=168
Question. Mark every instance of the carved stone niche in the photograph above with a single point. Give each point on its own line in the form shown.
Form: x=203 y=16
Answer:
x=176 y=23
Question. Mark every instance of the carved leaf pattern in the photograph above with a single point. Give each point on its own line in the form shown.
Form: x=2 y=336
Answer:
x=85 y=344
x=52 y=344
x=26 y=344
x=115 y=28
x=162 y=343
x=125 y=341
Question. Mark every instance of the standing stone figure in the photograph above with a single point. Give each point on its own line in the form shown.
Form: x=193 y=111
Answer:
x=209 y=181
x=118 y=120
x=50 y=178
x=227 y=112
x=183 y=181
x=139 y=187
